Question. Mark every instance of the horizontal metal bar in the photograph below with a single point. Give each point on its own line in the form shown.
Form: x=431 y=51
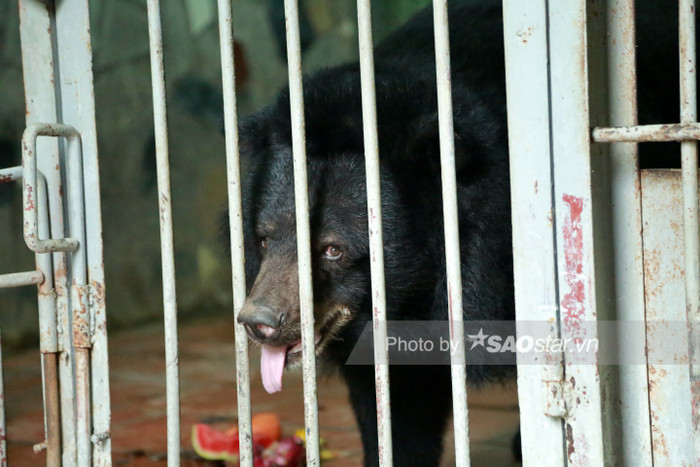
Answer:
x=10 y=174
x=19 y=279
x=647 y=133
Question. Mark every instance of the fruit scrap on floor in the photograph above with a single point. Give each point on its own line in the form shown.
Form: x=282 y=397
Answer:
x=269 y=448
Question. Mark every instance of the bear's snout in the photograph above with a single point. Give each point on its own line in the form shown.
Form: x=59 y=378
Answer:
x=261 y=323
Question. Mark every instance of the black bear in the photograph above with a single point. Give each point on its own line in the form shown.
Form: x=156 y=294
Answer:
x=412 y=217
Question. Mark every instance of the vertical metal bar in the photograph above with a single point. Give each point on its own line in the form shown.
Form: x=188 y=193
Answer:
x=48 y=335
x=301 y=198
x=236 y=229
x=81 y=341
x=77 y=108
x=51 y=409
x=166 y=232
x=452 y=249
x=625 y=202
x=669 y=392
x=534 y=249
x=689 y=169
x=570 y=120
x=376 y=241
x=79 y=299
x=3 y=429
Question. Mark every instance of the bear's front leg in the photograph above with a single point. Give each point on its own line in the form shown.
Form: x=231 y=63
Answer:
x=421 y=400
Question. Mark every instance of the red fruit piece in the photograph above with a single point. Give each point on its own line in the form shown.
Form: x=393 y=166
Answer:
x=213 y=444
x=266 y=429
x=287 y=452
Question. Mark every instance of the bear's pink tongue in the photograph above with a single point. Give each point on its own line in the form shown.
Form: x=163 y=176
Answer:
x=272 y=366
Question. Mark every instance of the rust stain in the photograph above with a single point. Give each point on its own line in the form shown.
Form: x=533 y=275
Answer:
x=695 y=389
x=570 y=449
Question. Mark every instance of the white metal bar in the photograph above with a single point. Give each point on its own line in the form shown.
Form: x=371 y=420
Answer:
x=376 y=241
x=79 y=299
x=43 y=277
x=570 y=139
x=233 y=172
x=689 y=169
x=75 y=83
x=30 y=190
x=48 y=336
x=301 y=198
x=534 y=249
x=19 y=279
x=79 y=292
x=451 y=225
x=647 y=133
x=10 y=174
x=166 y=232
x=3 y=429
x=634 y=423
x=37 y=33
x=669 y=392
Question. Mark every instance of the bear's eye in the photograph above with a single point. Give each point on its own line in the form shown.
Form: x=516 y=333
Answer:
x=332 y=253
x=264 y=243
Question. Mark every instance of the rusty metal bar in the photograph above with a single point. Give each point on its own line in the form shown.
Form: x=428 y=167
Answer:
x=38 y=40
x=689 y=170
x=632 y=408
x=233 y=173
x=48 y=336
x=669 y=391
x=79 y=291
x=10 y=174
x=52 y=420
x=647 y=133
x=166 y=232
x=301 y=198
x=74 y=81
x=451 y=226
x=376 y=241
x=3 y=429
x=29 y=186
x=43 y=277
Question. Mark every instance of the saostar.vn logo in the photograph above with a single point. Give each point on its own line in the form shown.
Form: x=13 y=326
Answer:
x=495 y=343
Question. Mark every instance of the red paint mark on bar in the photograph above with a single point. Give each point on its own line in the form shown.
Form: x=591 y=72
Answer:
x=573 y=302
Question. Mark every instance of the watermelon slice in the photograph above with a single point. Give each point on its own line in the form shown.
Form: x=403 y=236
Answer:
x=212 y=444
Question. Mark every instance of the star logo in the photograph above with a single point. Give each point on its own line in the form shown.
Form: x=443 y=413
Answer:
x=478 y=339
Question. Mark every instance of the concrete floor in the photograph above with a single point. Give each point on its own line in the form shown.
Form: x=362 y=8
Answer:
x=208 y=394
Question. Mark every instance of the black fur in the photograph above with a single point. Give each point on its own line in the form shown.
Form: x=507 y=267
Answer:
x=411 y=204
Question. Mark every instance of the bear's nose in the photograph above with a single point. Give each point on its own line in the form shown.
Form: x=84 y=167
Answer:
x=261 y=323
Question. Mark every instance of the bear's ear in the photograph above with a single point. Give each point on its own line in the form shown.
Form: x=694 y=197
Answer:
x=423 y=144
x=252 y=136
